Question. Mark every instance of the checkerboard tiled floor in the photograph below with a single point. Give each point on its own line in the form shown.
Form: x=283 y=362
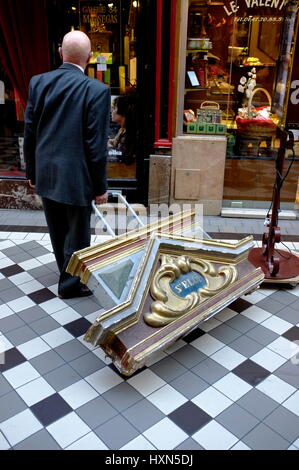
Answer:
x=231 y=384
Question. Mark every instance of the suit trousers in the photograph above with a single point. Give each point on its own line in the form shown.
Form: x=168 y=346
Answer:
x=69 y=228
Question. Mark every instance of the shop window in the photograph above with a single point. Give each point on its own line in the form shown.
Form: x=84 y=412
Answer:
x=11 y=131
x=111 y=27
x=231 y=64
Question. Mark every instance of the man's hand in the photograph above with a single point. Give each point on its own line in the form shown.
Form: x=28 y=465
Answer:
x=102 y=199
x=31 y=185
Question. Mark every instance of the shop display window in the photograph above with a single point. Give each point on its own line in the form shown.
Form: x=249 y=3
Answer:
x=232 y=56
x=11 y=130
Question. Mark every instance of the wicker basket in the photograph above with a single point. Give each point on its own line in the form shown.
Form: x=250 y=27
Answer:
x=256 y=127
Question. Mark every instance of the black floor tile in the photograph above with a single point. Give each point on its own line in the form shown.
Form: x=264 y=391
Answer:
x=11 y=270
x=51 y=409
x=41 y=296
x=292 y=334
x=197 y=333
x=12 y=358
x=78 y=327
x=251 y=372
x=190 y=417
x=240 y=305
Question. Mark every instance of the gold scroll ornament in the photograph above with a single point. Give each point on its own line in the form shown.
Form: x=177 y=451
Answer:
x=168 y=306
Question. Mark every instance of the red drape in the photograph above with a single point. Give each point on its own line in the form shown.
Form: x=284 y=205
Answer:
x=24 y=44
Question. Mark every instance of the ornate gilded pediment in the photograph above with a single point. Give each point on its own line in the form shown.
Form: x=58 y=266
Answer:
x=157 y=287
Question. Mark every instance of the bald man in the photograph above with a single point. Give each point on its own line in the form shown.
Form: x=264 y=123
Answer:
x=65 y=141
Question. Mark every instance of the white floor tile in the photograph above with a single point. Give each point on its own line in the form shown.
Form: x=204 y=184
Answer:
x=213 y=436
x=65 y=316
x=89 y=346
x=5 y=243
x=35 y=391
x=5 y=262
x=212 y=401
x=17 y=235
x=294 y=291
x=277 y=325
x=1 y=276
x=146 y=382
x=54 y=289
x=92 y=317
x=78 y=394
x=292 y=404
x=53 y=306
x=296 y=443
x=5 y=345
x=33 y=348
x=226 y=314
x=276 y=388
x=167 y=399
x=57 y=337
x=240 y=446
x=20 y=304
x=68 y=429
x=165 y=435
x=5 y=311
x=268 y=359
x=21 y=278
x=102 y=355
x=266 y=291
x=256 y=314
x=254 y=298
x=34 y=236
x=89 y=442
x=210 y=324
x=45 y=259
x=31 y=286
x=103 y=380
x=4 y=445
x=20 y=426
x=232 y=386
x=46 y=237
x=30 y=264
x=139 y=443
x=228 y=358
x=284 y=347
x=20 y=375
x=207 y=344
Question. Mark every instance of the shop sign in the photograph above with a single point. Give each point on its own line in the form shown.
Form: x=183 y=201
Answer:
x=98 y=15
x=255 y=10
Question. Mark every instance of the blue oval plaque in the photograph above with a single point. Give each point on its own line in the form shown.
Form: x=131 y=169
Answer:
x=187 y=283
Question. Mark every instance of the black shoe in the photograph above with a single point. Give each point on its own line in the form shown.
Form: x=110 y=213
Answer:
x=83 y=291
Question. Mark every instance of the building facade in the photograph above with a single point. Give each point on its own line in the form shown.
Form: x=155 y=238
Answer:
x=206 y=83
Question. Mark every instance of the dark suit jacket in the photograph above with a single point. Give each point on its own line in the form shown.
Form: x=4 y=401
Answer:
x=66 y=133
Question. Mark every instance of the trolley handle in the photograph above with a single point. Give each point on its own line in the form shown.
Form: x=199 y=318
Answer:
x=105 y=223
x=124 y=201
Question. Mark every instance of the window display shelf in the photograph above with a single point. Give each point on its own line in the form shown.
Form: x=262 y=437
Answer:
x=194 y=51
x=196 y=89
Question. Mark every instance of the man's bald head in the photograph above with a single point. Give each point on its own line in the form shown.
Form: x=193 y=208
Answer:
x=76 y=48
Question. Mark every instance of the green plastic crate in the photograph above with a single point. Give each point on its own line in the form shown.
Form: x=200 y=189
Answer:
x=191 y=127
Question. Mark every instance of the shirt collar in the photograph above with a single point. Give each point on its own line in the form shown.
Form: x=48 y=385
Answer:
x=76 y=65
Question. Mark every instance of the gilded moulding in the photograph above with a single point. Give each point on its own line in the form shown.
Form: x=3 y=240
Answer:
x=177 y=223
x=181 y=284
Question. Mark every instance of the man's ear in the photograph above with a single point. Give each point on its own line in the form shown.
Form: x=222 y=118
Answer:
x=60 y=52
